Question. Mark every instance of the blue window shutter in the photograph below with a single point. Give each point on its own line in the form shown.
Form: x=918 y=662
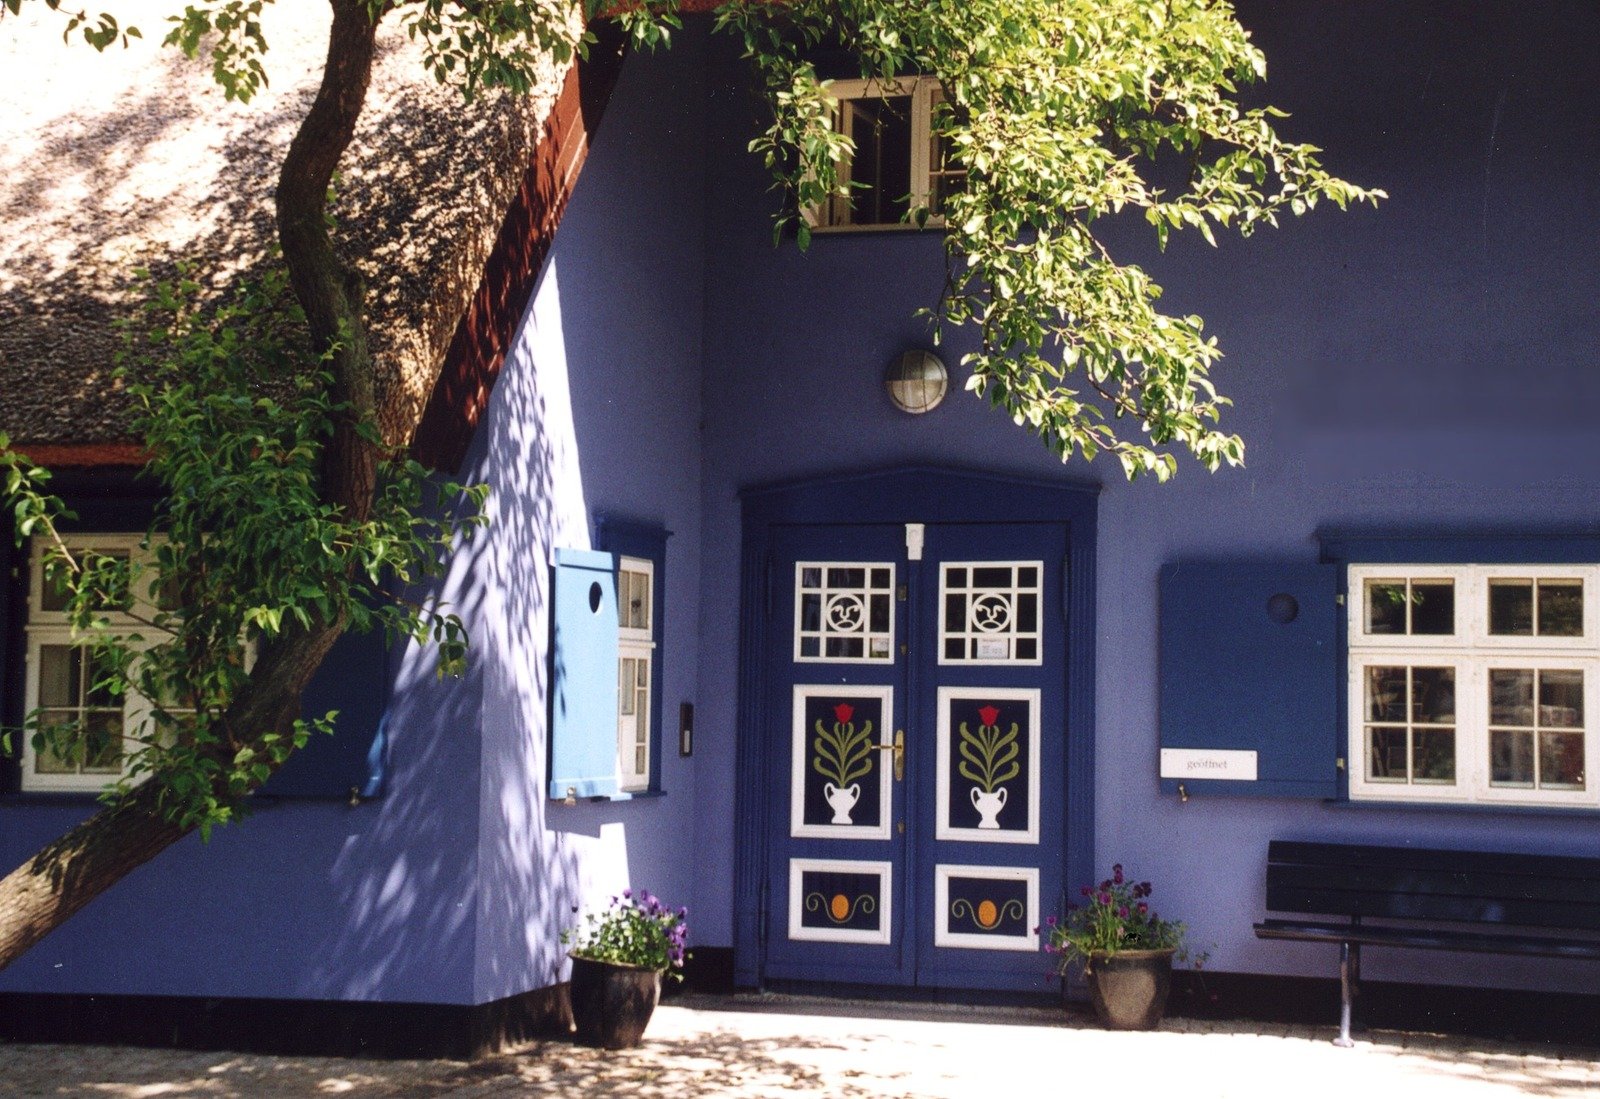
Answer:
x=1238 y=672
x=583 y=676
x=354 y=680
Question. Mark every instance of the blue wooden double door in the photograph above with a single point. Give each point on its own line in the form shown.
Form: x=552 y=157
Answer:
x=916 y=722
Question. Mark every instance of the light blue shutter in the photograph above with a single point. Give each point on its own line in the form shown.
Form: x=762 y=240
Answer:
x=1252 y=660
x=583 y=676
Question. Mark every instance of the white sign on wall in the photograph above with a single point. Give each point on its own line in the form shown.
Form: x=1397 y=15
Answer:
x=1203 y=763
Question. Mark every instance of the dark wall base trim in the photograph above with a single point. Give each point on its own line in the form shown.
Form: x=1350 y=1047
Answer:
x=299 y=1027
x=708 y=969
x=1557 y=1017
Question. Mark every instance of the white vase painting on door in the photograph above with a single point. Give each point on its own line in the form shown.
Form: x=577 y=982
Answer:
x=843 y=754
x=988 y=804
x=989 y=761
x=842 y=799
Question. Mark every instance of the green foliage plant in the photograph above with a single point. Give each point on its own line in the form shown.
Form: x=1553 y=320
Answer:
x=242 y=547
x=843 y=752
x=1064 y=114
x=1115 y=916
x=989 y=756
x=638 y=931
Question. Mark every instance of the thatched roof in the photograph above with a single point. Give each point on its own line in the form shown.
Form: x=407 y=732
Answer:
x=131 y=158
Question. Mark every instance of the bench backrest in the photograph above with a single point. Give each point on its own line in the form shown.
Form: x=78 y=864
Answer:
x=1431 y=884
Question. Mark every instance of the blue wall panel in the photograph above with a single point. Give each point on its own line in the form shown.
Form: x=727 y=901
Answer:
x=1251 y=661
x=454 y=886
x=1430 y=365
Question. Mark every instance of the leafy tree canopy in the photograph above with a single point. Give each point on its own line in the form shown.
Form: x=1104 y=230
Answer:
x=1060 y=111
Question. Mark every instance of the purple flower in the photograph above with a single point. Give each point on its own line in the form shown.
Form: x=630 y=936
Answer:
x=628 y=893
x=1105 y=899
x=1144 y=909
x=1122 y=913
x=1085 y=891
x=1116 y=873
x=1050 y=921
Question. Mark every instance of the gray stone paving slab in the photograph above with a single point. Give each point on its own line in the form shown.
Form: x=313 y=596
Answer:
x=792 y=1046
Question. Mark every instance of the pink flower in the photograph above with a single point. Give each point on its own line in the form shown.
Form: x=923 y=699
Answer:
x=843 y=712
x=989 y=714
x=1144 y=909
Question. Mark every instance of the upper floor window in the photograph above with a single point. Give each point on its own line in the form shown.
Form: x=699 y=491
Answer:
x=67 y=681
x=1474 y=683
x=900 y=165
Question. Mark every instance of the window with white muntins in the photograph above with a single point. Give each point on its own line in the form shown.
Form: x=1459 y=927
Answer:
x=900 y=165
x=636 y=646
x=64 y=682
x=1473 y=683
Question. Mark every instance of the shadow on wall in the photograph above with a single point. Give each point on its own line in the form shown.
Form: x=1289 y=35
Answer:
x=531 y=876
x=406 y=873
x=457 y=892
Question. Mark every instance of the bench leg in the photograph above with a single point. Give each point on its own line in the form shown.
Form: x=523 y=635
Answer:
x=1349 y=977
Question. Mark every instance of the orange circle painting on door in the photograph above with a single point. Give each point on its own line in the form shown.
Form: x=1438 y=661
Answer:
x=840 y=907
x=988 y=915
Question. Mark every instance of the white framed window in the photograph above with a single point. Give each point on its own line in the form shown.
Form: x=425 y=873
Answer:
x=844 y=612
x=899 y=164
x=636 y=647
x=1474 y=683
x=990 y=612
x=63 y=681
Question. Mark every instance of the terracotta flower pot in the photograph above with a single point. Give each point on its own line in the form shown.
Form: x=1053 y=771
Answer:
x=1129 y=988
x=612 y=1004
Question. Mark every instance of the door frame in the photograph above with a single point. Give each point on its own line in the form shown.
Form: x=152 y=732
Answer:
x=907 y=494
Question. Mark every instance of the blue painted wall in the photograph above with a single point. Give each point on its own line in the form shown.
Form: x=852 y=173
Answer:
x=455 y=886
x=1430 y=365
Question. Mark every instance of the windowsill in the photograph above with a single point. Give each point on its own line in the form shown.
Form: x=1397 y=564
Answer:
x=258 y=799
x=50 y=797
x=898 y=227
x=625 y=795
x=1458 y=807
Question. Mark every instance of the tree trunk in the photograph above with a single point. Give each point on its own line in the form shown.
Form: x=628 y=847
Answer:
x=43 y=892
x=330 y=291
x=49 y=888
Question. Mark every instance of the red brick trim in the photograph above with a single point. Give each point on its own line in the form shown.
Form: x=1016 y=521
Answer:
x=84 y=455
x=484 y=335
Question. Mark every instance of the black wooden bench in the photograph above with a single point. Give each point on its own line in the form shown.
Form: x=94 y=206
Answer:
x=1476 y=901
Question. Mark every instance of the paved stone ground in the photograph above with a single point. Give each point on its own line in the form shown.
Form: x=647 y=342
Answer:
x=788 y=1046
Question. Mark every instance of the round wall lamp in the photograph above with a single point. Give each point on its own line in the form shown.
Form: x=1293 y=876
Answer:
x=916 y=382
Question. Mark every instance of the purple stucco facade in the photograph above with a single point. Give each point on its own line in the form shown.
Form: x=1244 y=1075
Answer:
x=1428 y=366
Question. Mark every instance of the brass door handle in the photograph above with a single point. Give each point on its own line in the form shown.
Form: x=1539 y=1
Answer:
x=899 y=750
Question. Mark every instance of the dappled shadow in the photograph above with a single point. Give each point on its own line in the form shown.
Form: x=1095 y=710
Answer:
x=133 y=159
x=722 y=1062
x=723 y=1052
x=716 y=1063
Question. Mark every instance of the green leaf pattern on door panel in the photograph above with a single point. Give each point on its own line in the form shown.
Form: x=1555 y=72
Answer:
x=989 y=756
x=843 y=753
